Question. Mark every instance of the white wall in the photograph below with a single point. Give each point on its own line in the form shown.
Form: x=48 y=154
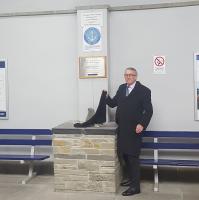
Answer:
x=41 y=58
x=42 y=64
x=41 y=5
x=135 y=37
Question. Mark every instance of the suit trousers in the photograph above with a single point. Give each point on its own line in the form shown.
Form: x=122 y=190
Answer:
x=133 y=169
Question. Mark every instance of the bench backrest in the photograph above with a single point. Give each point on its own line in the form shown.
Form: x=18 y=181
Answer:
x=25 y=132
x=157 y=140
x=34 y=134
x=21 y=140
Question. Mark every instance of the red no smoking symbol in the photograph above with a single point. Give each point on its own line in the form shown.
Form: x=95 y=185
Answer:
x=159 y=61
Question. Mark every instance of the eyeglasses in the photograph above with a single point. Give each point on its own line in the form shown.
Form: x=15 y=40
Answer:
x=129 y=75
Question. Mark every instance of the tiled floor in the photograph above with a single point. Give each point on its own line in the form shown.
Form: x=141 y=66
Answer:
x=41 y=188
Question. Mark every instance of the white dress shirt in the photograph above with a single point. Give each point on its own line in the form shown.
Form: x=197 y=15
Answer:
x=131 y=87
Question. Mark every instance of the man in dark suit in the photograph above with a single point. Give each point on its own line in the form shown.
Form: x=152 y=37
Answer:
x=133 y=114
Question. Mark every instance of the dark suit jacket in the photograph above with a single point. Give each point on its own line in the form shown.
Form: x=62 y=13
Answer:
x=134 y=109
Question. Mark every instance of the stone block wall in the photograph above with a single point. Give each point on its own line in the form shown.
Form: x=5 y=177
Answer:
x=85 y=163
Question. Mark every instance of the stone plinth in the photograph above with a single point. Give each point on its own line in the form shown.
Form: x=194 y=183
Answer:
x=85 y=159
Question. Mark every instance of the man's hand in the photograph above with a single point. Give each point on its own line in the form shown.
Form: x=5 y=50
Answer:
x=139 y=128
x=104 y=93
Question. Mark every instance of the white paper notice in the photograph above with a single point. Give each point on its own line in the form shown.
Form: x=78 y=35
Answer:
x=2 y=89
x=92 y=38
x=159 y=65
x=196 y=66
x=92 y=18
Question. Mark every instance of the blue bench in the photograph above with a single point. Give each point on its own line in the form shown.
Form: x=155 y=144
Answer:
x=30 y=138
x=158 y=141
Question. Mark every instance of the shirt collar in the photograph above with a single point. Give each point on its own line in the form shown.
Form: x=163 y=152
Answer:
x=132 y=86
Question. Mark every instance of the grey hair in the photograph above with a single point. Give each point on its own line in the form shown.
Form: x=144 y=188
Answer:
x=132 y=69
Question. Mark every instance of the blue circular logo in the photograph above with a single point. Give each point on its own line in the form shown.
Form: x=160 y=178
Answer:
x=92 y=35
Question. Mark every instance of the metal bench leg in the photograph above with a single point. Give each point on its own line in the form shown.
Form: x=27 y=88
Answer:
x=156 y=181
x=155 y=168
x=31 y=174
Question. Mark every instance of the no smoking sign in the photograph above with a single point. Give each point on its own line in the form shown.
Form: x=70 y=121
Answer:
x=159 y=64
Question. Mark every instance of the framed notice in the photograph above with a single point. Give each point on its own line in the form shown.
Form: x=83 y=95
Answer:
x=3 y=90
x=92 y=67
x=196 y=83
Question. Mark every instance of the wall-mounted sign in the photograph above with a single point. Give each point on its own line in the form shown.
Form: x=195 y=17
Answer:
x=159 y=65
x=92 y=67
x=92 y=38
x=3 y=90
x=91 y=23
x=196 y=89
x=92 y=18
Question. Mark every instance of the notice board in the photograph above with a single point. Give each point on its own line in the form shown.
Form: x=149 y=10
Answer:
x=3 y=90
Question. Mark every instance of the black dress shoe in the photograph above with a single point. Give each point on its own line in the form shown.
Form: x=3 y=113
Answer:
x=125 y=183
x=131 y=191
